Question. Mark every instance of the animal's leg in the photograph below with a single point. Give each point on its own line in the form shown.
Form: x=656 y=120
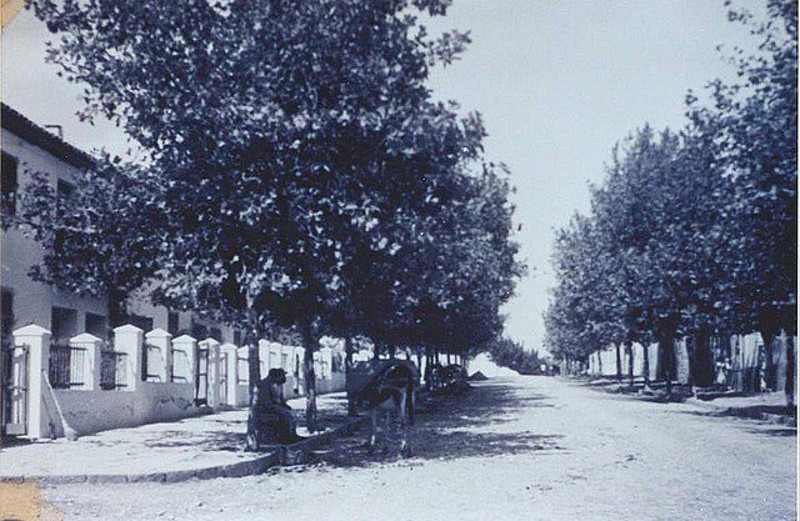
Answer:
x=405 y=450
x=387 y=430
x=373 y=416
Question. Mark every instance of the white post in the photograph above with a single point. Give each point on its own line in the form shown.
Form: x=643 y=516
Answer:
x=128 y=339
x=188 y=345
x=92 y=360
x=36 y=340
x=263 y=357
x=213 y=370
x=160 y=338
x=233 y=371
x=326 y=357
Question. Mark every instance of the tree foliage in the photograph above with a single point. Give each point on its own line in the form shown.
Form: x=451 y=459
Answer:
x=302 y=176
x=693 y=232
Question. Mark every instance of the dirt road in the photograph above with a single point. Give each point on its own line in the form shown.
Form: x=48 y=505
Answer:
x=524 y=449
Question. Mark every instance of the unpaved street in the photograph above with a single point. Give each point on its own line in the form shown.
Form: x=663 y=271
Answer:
x=521 y=449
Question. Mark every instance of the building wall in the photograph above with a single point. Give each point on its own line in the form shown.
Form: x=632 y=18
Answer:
x=33 y=301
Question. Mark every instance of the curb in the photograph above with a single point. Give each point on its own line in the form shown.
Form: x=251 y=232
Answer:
x=776 y=419
x=294 y=454
x=739 y=412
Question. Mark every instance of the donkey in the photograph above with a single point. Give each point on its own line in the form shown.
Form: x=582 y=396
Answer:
x=383 y=388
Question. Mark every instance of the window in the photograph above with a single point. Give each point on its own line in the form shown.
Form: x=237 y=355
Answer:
x=143 y=323
x=173 y=323
x=7 y=312
x=8 y=184
x=199 y=331
x=95 y=325
x=64 y=323
x=216 y=334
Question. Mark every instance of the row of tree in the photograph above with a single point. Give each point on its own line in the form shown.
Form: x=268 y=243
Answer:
x=298 y=174
x=694 y=233
x=506 y=352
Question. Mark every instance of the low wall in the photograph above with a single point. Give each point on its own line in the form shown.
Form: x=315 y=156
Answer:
x=93 y=411
x=744 y=355
x=335 y=383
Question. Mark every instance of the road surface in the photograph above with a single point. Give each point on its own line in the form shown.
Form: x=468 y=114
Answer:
x=521 y=449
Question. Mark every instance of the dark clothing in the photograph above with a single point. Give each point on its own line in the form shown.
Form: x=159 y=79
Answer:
x=271 y=416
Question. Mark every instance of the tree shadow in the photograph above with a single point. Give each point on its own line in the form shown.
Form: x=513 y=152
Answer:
x=782 y=432
x=756 y=411
x=455 y=427
x=228 y=440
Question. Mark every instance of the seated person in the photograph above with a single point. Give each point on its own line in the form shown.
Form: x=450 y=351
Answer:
x=271 y=419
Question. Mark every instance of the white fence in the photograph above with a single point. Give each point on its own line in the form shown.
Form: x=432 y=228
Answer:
x=744 y=359
x=88 y=386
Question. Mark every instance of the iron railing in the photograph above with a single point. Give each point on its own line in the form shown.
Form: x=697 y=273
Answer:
x=151 y=357
x=180 y=359
x=113 y=370
x=67 y=365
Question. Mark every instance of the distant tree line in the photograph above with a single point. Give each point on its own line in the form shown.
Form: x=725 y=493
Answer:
x=298 y=175
x=513 y=355
x=693 y=233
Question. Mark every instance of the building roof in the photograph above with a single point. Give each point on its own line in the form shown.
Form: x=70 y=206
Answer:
x=15 y=122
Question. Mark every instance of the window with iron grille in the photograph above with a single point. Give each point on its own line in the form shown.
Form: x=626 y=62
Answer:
x=67 y=365
x=8 y=184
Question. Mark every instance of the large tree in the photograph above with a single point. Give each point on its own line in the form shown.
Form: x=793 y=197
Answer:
x=282 y=136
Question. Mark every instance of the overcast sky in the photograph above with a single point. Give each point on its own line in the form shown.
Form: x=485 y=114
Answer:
x=557 y=82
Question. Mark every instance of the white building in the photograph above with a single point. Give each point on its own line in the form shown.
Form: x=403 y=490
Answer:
x=28 y=147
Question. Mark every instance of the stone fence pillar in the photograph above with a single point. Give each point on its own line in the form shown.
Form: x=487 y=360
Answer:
x=233 y=371
x=128 y=339
x=188 y=346
x=213 y=370
x=161 y=339
x=36 y=340
x=326 y=357
x=92 y=359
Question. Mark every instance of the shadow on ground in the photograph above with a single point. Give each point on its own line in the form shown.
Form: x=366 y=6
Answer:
x=231 y=439
x=456 y=427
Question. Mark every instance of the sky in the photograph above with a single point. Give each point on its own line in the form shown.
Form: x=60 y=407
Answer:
x=558 y=83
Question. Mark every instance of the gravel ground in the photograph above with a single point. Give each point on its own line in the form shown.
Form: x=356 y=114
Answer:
x=525 y=448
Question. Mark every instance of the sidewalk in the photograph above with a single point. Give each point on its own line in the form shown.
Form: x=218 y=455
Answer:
x=200 y=447
x=769 y=407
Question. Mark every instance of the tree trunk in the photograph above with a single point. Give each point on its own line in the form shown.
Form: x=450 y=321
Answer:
x=702 y=367
x=253 y=359
x=769 y=338
x=790 y=374
x=629 y=350
x=348 y=366
x=666 y=348
x=310 y=345
x=646 y=366
x=117 y=313
x=428 y=367
x=391 y=349
x=619 y=363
